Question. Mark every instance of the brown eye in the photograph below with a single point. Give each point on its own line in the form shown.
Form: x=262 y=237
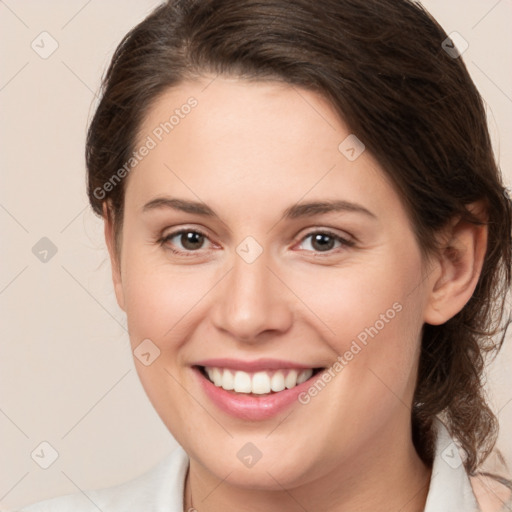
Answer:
x=322 y=242
x=185 y=240
x=325 y=241
x=191 y=240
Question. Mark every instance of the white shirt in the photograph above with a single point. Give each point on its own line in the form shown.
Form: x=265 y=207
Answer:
x=161 y=488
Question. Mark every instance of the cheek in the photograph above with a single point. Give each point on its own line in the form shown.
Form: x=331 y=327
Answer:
x=159 y=297
x=374 y=298
x=161 y=302
x=372 y=317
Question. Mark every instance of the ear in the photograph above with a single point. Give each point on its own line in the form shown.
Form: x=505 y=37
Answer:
x=458 y=267
x=115 y=261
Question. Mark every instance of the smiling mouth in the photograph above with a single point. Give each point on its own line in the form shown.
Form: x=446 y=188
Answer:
x=257 y=383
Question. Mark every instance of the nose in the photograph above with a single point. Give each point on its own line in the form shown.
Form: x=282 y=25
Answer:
x=251 y=301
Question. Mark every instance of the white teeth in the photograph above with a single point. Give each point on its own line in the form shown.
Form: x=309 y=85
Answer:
x=228 y=380
x=303 y=376
x=277 y=382
x=259 y=383
x=290 y=380
x=217 y=377
x=242 y=382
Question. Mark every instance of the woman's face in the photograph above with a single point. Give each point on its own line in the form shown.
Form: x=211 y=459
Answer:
x=264 y=288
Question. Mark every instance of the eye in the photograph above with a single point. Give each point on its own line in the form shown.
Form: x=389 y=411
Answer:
x=191 y=240
x=325 y=241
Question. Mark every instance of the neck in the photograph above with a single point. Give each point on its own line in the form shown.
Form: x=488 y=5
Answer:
x=388 y=475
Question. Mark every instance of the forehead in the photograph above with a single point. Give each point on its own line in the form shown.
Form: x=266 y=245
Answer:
x=240 y=116
x=254 y=143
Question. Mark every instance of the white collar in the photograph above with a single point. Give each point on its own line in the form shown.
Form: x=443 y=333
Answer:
x=450 y=488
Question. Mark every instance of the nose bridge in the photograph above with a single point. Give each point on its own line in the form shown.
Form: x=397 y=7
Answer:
x=252 y=299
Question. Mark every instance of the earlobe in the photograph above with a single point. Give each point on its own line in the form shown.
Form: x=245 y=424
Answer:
x=114 y=259
x=459 y=264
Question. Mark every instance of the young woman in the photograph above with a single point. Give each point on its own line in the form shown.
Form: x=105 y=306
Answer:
x=311 y=240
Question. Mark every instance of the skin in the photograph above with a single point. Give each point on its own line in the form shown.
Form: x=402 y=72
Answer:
x=249 y=150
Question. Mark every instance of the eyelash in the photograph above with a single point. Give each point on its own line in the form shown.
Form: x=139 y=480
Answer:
x=164 y=239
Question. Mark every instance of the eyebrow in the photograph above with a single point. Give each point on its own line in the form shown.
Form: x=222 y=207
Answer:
x=296 y=211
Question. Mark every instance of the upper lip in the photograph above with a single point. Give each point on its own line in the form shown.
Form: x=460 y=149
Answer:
x=252 y=366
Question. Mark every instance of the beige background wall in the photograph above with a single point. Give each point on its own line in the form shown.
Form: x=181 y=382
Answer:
x=66 y=372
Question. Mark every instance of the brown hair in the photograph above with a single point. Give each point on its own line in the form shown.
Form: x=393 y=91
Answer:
x=382 y=66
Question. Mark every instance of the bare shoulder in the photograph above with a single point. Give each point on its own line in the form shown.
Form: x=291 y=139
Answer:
x=493 y=493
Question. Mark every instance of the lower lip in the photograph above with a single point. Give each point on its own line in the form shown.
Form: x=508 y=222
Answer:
x=251 y=407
